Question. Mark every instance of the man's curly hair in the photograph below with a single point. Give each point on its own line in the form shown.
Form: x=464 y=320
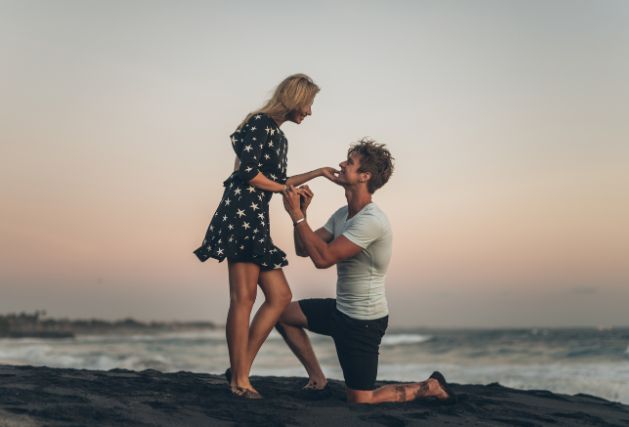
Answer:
x=374 y=158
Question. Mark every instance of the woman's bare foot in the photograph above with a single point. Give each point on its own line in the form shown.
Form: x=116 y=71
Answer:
x=245 y=393
x=241 y=388
x=316 y=384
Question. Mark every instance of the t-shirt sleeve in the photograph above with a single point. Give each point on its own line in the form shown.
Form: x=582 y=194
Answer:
x=247 y=141
x=329 y=226
x=364 y=230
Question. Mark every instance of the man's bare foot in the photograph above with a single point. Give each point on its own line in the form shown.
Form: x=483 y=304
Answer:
x=436 y=390
x=442 y=390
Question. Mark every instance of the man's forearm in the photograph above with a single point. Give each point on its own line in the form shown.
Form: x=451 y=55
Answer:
x=313 y=246
x=299 y=247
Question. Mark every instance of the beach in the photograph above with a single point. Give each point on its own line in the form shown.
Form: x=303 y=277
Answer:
x=41 y=396
x=564 y=361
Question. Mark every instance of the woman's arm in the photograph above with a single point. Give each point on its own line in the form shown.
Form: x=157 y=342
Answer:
x=296 y=180
x=302 y=178
x=262 y=182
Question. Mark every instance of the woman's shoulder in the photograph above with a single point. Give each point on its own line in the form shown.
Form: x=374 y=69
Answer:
x=254 y=122
x=258 y=119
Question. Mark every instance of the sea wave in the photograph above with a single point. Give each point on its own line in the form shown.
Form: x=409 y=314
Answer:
x=208 y=335
x=403 y=339
x=564 y=361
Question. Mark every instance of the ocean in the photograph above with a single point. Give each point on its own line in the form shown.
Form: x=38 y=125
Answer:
x=570 y=361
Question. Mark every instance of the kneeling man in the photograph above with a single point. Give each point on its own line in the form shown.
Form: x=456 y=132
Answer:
x=357 y=239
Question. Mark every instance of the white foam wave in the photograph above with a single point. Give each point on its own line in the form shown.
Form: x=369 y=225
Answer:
x=402 y=339
x=209 y=334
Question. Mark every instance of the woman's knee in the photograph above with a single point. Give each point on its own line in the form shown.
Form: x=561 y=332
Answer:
x=242 y=297
x=281 y=298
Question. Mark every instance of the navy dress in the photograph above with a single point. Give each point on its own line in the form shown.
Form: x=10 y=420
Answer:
x=240 y=227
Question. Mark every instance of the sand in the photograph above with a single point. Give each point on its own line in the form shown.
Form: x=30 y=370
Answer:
x=40 y=396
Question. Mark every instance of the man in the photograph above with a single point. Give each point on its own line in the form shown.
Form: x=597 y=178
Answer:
x=357 y=239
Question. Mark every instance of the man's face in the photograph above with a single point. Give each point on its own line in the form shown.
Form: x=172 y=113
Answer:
x=349 y=170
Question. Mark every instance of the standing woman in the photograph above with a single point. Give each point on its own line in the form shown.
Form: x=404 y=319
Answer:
x=239 y=230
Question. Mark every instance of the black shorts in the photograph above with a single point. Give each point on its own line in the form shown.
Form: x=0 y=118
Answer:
x=357 y=341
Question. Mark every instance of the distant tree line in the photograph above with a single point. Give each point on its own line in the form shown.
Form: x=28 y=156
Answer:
x=20 y=325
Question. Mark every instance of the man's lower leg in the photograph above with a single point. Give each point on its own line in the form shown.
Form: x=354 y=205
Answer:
x=399 y=393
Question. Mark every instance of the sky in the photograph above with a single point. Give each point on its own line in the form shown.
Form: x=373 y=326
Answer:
x=508 y=121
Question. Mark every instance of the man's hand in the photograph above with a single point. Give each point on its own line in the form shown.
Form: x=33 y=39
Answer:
x=292 y=203
x=305 y=198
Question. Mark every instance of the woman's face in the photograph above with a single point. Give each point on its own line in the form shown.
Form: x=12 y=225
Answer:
x=298 y=116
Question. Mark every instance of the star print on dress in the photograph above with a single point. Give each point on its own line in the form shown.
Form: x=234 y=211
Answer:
x=240 y=227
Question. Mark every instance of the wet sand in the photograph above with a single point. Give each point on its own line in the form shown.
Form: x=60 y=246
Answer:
x=40 y=396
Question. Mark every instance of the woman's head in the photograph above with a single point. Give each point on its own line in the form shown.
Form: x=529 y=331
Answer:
x=292 y=99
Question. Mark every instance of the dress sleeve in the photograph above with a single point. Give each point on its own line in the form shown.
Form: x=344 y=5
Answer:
x=246 y=142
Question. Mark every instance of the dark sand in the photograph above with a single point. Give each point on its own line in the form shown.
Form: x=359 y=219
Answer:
x=32 y=396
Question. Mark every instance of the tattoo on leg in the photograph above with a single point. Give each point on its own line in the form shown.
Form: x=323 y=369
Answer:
x=423 y=389
x=400 y=392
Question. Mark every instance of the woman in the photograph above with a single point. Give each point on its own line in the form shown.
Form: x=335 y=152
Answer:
x=239 y=230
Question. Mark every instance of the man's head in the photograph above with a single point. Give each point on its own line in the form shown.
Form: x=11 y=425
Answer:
x=367 y=162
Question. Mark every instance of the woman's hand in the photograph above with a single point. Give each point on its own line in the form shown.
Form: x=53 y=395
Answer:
x=329 y=173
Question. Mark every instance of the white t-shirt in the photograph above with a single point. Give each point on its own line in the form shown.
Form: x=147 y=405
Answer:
x=360 y=279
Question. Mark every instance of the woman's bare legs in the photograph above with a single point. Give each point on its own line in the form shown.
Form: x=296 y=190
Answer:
x=277 y=296
x=243 y=280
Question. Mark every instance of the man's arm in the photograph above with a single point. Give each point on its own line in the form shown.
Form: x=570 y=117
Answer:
x=322 y=233
x=318 y=245
x=305 y=198
x=322 y=253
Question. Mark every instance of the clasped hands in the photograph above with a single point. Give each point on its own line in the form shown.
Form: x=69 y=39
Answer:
x=297 y=200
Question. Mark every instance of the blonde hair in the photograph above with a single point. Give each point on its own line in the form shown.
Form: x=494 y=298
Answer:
x=292 y=94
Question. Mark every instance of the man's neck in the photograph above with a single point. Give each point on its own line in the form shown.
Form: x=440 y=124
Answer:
x=357 y=198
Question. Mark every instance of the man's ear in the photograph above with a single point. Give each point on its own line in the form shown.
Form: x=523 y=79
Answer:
x=365 y=176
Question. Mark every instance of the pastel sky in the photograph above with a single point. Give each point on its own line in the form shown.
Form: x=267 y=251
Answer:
x=509 y=122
